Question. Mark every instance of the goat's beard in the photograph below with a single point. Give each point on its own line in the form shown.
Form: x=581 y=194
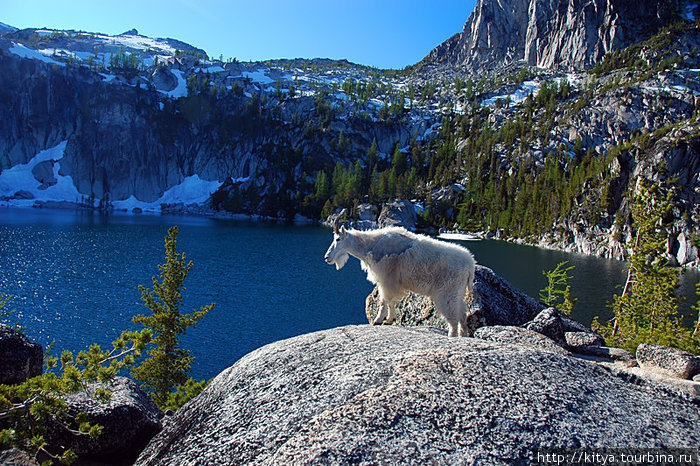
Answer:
x=340 y=261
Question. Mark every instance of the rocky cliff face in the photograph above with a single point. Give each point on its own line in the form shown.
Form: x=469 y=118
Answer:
x=146 y=123
x=551 y=34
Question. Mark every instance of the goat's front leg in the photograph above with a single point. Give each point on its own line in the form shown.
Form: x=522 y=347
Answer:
x=392 y=313
x=381 y=315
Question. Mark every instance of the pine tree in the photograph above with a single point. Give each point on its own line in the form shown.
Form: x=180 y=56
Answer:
x=647 y=309
x=165 y=372
x=557 y=293
x=28 y=409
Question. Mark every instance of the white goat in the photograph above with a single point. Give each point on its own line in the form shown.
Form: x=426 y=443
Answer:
x=397 y=260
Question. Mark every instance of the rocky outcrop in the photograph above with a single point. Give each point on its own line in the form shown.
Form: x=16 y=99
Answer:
x=129 y=420
x=564 y=330
x=496 y=302
x=550 y=33
x=20 y=358
x=393 y=395
x=668 y=361
x=399 y=213
x=518 y=336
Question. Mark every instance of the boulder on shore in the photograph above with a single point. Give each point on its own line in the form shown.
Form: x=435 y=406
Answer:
x=129 y=420
x=398 y=214
x=20 y=358
x=395 y=395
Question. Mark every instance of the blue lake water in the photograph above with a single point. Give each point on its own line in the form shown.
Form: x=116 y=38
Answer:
x=74 y=278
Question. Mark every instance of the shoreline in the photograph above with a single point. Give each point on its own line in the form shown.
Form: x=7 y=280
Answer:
x=201 y=211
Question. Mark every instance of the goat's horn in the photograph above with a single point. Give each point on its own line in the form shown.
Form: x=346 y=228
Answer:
x=336 y=224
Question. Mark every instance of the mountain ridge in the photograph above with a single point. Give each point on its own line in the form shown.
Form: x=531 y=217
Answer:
x=286 y=138
x=569 y=34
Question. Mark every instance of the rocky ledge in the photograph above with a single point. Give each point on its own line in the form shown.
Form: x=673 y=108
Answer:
x=394 y=395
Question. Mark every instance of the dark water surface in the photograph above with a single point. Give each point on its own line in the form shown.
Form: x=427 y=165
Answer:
x=74 y=278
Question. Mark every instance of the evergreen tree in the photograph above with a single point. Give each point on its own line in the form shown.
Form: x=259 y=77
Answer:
x=647 y=309
x=29 y=408
x=164 y=372
x=557 y=293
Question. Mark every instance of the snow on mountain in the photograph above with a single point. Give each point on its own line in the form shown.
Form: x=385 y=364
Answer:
x=4 y=28
x=516 y=97
x=181 y=89
x=20 y=187
x=192 y=190
x=25 y=52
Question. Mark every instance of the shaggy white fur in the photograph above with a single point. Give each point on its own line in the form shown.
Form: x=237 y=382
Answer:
x=397 y=260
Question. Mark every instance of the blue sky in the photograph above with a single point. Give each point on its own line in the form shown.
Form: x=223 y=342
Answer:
x=381 y=33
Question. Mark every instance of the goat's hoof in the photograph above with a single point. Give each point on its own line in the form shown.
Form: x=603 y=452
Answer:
x=377 y=322
x=388 y=322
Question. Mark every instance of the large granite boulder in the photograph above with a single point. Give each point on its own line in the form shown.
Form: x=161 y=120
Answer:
x=129 y=420
x=398 y=214
x=496 y=302
x=396 y=395
x=668 y=361
x=20 y=358
x=563 y=329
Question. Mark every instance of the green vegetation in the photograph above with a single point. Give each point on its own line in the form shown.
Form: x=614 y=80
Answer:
x=647 y=309
x=660 y=52
x=164 y=372
x=28 y=410
x=3 y=302
x=557 y=293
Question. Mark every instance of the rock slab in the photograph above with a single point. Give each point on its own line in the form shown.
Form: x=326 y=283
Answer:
x=668 y=361
x=396 y=395
x=20 y=358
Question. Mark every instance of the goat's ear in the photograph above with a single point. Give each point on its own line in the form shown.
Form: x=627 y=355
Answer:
x=343 y=231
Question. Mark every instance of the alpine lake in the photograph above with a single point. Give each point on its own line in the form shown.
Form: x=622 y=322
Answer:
x=73 y=278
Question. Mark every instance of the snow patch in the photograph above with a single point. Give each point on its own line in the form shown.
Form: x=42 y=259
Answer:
x=181 y=88
x=20 y=178
x=25 y=52
x=192 y=190
x=520 y=94
x=258 y=76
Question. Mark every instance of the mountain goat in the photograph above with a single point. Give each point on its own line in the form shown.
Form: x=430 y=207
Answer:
x=397 y=260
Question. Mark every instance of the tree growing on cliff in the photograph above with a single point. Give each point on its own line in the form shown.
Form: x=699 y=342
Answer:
x=647 y=309
x=164 y=373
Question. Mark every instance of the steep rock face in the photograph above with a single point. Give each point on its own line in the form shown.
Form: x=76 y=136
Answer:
x=551 y=33
x=127 y=138
x=392 y=395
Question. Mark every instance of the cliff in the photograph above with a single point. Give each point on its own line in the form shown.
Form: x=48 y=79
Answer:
x=554 y=34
